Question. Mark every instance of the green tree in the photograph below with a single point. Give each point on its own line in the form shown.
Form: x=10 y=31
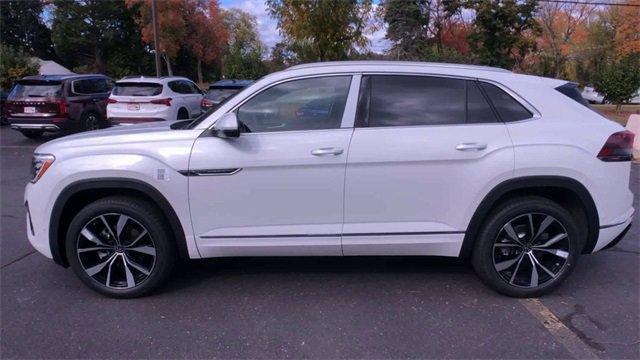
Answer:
x=14 y=65
x=320 y=30
x=243 y=59
x=407 y=28
x=22 y=26
x=502 y=29
x=98 y=36
x=619 y=80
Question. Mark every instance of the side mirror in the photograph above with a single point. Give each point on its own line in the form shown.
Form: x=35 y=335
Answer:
x=227 y=126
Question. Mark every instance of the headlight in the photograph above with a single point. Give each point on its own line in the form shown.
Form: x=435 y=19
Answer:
x=40 y=164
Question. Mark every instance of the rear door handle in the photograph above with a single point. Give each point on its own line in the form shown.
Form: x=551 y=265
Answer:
x=326 y=151
x=471 y=147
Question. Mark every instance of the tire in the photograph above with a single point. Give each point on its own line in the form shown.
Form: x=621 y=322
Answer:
x=114 y=268
x=183 y=114
x=504 y=259
x=90 y=121
x=32 y=134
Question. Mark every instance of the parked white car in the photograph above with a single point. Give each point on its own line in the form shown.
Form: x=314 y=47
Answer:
x=591 y=95
x=136 y=100
x=512 y=171
x=594 y=97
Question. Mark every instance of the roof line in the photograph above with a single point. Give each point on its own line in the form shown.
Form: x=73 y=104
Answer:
x=396 y=63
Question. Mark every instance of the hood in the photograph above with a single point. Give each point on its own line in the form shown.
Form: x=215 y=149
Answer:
x=148 y=132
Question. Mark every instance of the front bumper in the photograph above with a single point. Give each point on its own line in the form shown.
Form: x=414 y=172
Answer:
x=37 y=218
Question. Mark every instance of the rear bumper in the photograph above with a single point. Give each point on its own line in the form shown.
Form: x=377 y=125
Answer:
x=610 y=235
x=44 y=124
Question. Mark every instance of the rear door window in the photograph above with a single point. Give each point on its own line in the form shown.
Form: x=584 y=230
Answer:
x=137 y=89
x=25 y=90
x=401 y=100
x=506 y=106
x=478 y=109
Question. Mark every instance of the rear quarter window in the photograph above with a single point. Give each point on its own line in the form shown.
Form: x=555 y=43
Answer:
x=137 y=89
x=508 y=108
x=571 y=90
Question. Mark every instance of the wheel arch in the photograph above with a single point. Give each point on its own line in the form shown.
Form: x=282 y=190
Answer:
x=566 y=191
x=78 y=194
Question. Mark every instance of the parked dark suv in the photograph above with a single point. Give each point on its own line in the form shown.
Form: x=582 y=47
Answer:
x=58 y=102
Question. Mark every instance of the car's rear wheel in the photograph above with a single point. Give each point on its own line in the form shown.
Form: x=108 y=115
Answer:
x=527 y=247
x=120 y=247
x=183 y=114
x=90 y=121
x=32 y=134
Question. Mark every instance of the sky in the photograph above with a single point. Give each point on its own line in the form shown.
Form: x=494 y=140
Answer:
x=269 y=31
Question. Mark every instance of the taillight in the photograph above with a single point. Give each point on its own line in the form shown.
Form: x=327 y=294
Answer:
x=206 y=103
x=618 y=147
x=111 y=101
x=62 y=107
x=166 y=101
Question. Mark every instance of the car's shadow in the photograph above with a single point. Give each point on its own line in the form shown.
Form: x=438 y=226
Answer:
x=192 y=273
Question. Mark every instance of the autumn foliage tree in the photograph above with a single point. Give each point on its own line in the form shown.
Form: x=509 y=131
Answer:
x=207 y=36
x=319 y=30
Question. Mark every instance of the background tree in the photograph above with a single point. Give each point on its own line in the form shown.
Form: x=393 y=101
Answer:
x=207 y=35
x=14 y=65
x=319 y=30
x=22 y=26
x=502 y=29
x=172 y=16
x=618 y=80
x=562 y=25
x=407 y=23
x=628 y=35
x=243 y=59
x=97 y=36
x=424 y=30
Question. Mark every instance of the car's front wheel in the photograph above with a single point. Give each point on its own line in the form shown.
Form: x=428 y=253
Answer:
x=527 y=247
x=120 y=247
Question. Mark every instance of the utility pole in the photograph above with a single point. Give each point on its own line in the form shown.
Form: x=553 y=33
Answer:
x=156 y=37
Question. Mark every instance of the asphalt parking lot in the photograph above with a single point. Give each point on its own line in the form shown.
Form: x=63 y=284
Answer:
x=308 y=307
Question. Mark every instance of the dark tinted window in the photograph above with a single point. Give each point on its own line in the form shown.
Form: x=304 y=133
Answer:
x=183 y=87
x=307 y=104
x=194 y=88
x=137 y=89
x=571 y=90
x=506 y=106
x=416 y=100
x=478 y=109
x=90 y=86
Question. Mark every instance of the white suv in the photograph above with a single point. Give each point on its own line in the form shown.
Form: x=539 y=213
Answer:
x=136 y=100
x=515 y=172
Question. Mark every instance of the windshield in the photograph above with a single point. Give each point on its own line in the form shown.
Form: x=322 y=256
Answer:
x=137 y=89
x=24 y=90
x=218 y=95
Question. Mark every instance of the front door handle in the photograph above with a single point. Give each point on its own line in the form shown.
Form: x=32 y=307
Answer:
x=326 y=151
x=471 y=147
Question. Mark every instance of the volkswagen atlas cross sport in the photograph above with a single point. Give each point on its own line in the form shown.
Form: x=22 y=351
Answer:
x=514 y=172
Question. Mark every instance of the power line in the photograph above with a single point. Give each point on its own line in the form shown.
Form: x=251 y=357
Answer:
x=589 y=3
